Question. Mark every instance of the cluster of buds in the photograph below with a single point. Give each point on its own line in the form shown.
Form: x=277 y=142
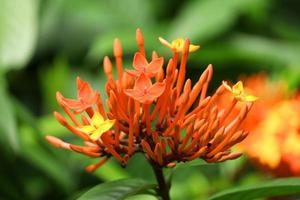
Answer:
x=153 y=110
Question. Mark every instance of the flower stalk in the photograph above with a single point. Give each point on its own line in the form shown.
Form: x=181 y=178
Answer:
x=163 y=186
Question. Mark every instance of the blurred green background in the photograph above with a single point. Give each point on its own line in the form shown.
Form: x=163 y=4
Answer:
x=45 y=44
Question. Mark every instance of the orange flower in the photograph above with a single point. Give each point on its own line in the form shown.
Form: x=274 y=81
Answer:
x=277 y=138
x=86 y=97
x=149 y=115
x=141 y=65
x=144 y=91
x=274 y=123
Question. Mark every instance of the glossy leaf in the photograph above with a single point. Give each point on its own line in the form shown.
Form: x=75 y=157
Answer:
x=271 y=188
x=142 y=197
x=34 y=152
x=203 y=20
x=115 y=190
x=102 y=44
x=194 y=163
x=110 y=171
x=55 y=76
x=8 y=129
x=250 y=48
x=18 y=32
x=80 y=22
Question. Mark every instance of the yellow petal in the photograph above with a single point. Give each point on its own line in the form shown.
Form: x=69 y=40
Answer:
x=178 y=44
x=193 y=48
x=96 y=135
x=102 y=129
x=249 y=98
x=86 y=129
x=165 y=42
x=238 y=88
x=238 y=92
x=97 y=119
x=106 y=125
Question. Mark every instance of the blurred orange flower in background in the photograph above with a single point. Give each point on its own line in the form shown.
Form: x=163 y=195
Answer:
x=274 y=124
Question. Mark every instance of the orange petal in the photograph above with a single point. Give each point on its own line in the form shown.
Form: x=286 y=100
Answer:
x=85 y=91
x=139 y=62
x=133 y=93
x=71 y=103
x=145 y=99
x=79 y=82
x=133 y=72
x=142 y=82
x=154 y=67
x=156 y=90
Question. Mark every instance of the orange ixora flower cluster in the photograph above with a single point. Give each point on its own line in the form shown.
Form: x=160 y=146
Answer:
x=274 y=122
x=154 y=111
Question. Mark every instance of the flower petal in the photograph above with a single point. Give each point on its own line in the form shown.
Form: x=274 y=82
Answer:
x=145 y=99
x=178 y=44
x=71 y=103
x=96 y=135
x=87 y=129
x=79 y=82
x=139 y=62
x=165 y=42
x=142 y=83
x=97 y=119
x=105 y=126
x=238 y=88
x=133 y=72
x=154 y=67
x=133 y=93
x=85 y=91
x=156 y=90
x=225 y=84
x=193 y=48
x=248 y=98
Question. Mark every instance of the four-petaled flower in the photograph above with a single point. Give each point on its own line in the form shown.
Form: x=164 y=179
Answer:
x=178 y=44
x=141 y=65
x=87 y=97
x=144 y=91
x=97 y=126
x=239 y=93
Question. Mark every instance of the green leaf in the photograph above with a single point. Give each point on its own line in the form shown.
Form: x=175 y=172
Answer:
x=35 y=153
x=206 y=19
x=190 y=183
x=272 y=188
x=8 y=129
x=53 y=78
x=111 y=170
x=88 y=19
x=251 y=48
x=18 y=32
x=142 y=197
x=49 y=125
x=115 y=190
x=103 y=43
x=194 y=163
